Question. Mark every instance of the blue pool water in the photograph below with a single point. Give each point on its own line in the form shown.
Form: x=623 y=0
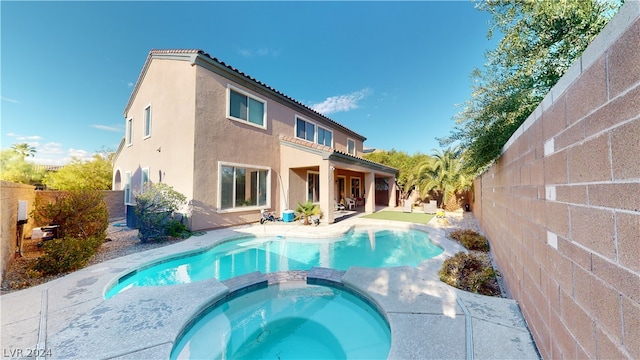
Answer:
x=290 y=321
x=366 y=248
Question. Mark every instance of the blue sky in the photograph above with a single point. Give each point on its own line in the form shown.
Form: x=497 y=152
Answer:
x=391 y=71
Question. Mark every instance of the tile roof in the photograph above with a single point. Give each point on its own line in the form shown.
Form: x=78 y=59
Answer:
x=330 y=150
x=204 y=54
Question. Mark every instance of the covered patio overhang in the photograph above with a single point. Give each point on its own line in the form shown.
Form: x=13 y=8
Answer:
x=328 y=177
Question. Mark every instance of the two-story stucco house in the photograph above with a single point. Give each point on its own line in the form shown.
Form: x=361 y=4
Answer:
x=233 y=145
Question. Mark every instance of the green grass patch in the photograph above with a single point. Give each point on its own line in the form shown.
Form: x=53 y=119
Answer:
x=419 y=218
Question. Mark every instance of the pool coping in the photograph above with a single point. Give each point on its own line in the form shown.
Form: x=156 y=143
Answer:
x=73 y=320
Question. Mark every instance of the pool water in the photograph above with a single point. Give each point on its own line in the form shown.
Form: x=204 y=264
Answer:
x=366 y=248
x=289 y=321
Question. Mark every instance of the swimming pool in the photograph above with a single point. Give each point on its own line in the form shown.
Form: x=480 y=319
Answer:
x=288 y=321
x=364 y=248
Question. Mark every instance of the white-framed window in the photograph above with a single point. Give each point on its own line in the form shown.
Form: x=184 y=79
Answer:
x=242 y=106
x=129 y=132
x=351 y=147
x=309 y=131
x=305 y=130
x=144 y=178
x=127 y=188
x=325 y=137
x=147 y=122
x=313 y=186
x=242 y=187
x=355 y=187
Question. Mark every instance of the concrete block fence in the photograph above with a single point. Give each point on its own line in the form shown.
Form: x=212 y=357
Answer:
x=561 y=206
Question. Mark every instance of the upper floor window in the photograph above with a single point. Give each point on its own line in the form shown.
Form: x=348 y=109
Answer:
x=147 y=122
x=325 y=137
x=307 y=130
x=247 y=108
x=129 y=133
x=351 y=147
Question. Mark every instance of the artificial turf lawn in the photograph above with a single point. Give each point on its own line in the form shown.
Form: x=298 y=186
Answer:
x=414 y=217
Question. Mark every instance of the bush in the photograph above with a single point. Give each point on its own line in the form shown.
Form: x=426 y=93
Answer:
x=470 y=239
x=468 y=272
x=80 y=214
x=154 y=208
x=177 y=229
x=66 y=254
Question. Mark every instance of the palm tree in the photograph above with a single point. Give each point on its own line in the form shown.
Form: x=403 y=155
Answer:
x=24 y=149
x=307 y=209
x=445 y=176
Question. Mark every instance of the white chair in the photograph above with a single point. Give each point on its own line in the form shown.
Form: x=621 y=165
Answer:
x=351 y=203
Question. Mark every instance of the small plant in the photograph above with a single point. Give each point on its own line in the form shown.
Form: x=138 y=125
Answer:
x=177 y=229
x=468 y=272
x=470 y=239
x=155 y=207
x=66 y=254
x=307 y=210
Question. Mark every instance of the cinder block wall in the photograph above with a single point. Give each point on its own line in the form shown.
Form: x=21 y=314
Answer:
x=561 y=206
x=10 y=194
x=113 y=198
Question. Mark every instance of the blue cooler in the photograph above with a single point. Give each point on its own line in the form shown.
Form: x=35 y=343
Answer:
x=287 y=216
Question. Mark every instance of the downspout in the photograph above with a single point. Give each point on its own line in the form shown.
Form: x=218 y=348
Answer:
x=284 y=194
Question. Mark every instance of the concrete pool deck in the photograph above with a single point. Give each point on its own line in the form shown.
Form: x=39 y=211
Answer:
x=68 y=318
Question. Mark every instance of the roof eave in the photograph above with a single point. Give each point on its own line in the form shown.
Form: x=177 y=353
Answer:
x=233 y=74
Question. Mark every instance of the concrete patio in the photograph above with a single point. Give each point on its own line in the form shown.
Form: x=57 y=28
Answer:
x=69 y=318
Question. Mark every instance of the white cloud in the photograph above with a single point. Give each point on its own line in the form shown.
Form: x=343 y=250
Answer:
x=25 y=137
x=51 y=148
x=130 y=84
x=13 y=101
x=107 y=128
x=261 y=52
x=79 y=153
x=341 y=102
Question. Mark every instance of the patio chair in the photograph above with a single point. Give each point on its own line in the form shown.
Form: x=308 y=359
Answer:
x=351 y=203
x=338 y=206
x=430 y=207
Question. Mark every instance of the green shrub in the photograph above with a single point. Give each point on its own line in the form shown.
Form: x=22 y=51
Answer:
x=468 y=272
x=66 y=254
x=306 y=210
x=176 y=229
x=79 y=213
x=154 y=208
x=470 y=239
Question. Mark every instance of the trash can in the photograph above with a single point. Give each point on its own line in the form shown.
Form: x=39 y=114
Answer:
x=287 y=216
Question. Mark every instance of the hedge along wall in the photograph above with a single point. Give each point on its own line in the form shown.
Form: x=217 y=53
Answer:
x=561 y=206
x=11 y=193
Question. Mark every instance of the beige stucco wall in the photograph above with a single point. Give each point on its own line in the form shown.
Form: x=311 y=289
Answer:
x=169 y=87
x=561 y=206
x=220 y=139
